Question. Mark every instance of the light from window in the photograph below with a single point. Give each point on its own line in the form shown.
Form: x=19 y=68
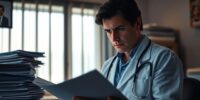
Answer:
x=41 y=31
x=84 y=42
x=57 y=44
x=76 y=42
x=43 y=40
x=30 y=27
x=89 y=40
x=16 y=32
x=4 y=40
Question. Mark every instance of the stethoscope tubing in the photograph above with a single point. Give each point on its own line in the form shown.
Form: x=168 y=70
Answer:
x=111 y=64
x=138 y=68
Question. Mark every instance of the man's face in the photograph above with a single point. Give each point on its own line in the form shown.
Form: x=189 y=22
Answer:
x=1 y=11
x=121 y=33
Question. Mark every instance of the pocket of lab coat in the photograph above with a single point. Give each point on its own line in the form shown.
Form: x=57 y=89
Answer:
x=143 y=80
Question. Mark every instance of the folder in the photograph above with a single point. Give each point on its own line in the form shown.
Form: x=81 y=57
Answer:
x=91 y=85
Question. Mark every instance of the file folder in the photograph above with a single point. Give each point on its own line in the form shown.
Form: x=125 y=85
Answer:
x=91 y=85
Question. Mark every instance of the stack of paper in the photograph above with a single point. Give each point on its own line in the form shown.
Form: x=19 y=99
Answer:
x=17 y=72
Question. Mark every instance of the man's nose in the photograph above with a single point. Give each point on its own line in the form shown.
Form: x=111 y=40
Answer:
x=115 y=35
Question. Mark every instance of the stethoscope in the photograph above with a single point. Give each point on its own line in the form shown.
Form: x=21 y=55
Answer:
x=137 y=70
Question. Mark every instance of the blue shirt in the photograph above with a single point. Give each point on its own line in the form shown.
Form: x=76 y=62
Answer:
x=121 y=66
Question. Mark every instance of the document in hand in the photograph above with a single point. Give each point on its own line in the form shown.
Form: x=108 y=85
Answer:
x=92 y=85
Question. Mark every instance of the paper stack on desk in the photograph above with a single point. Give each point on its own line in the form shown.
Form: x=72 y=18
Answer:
x=17 y=72
x=92 y=85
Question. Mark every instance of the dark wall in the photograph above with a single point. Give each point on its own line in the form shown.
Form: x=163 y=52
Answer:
x=175 y=14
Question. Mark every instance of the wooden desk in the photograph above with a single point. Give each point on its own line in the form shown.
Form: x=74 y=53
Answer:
x=194 y=73
x=49 y=96
x=191 y=70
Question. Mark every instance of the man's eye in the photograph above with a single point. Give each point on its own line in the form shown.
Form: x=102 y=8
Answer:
x=107 y=31
x=120 y=29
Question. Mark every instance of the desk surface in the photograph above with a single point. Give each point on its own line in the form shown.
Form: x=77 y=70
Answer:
x=191 y=70
x=194 y=73
x=49 y=96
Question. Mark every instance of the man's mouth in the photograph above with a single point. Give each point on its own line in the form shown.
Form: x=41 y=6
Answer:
x=118 y=45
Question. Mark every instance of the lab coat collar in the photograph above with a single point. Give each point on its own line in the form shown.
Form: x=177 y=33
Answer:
x=111 y=77
x=130 y=70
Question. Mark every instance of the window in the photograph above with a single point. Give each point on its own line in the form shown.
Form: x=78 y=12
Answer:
x=85 y=40
x=38 y=28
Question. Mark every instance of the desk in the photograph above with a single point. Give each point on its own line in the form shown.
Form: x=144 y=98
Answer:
x=191 y=70
x=49 y=96
x=194 y=73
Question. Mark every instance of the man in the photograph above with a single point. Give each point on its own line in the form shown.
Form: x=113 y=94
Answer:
x=141 y=69
x=3 y=19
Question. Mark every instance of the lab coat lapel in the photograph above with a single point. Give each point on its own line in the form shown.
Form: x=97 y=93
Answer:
x=111 y=77
x=130 y=70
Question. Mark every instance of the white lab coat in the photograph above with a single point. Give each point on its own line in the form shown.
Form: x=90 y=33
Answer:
x=167 y=80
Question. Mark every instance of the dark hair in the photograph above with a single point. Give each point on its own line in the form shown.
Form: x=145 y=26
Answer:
x=128 y=9
x=1 y=6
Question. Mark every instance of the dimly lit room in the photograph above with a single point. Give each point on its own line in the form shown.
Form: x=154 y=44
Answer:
x=99 y=49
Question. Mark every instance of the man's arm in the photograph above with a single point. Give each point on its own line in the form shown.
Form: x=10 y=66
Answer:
x=168 y=77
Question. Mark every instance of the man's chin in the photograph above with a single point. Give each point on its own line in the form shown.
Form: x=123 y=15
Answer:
x=120 y=50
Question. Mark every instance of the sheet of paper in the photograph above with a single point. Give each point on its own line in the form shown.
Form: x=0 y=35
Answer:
x=92 y=85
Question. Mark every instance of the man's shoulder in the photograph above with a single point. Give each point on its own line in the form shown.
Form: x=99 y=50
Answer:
x=160 y=48
x=107 y=63
x=160 y=52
